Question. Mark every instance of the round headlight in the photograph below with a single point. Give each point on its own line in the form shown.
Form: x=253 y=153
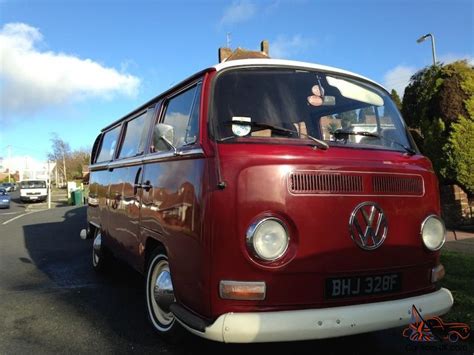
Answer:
x=268 y=239
x=433 y=232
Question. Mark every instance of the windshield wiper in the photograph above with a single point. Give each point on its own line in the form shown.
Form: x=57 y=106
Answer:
x=288 y=132
x=340 y=134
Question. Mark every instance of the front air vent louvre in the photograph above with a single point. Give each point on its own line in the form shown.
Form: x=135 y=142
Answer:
x=319 y=182
x=397 y=185
x=361 y=183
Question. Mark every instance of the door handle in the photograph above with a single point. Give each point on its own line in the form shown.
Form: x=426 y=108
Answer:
x=136 y=184
x=115 y=200
x=146 y=186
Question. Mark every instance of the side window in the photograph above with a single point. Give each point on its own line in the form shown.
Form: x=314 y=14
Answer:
x=109 y=144
x=95 y=149
x=135 y=136
x=182 y=113
x=192 y=130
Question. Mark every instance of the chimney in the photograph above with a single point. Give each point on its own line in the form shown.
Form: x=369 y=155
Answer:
x=224 y=53
x=265 y=47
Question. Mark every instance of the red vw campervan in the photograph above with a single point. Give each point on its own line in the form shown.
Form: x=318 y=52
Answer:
x=270 y=200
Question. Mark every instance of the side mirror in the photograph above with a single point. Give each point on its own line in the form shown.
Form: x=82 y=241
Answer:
x=163 y=137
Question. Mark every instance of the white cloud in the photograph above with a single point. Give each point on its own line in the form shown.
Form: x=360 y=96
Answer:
x=287 y=47
x=32 y=79
x=239 y=11
x=452 y=57
x=398 y=78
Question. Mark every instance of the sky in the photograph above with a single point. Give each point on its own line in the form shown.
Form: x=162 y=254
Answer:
x=73 y=67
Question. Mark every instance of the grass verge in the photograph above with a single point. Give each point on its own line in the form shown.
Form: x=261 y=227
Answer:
x=459 y=280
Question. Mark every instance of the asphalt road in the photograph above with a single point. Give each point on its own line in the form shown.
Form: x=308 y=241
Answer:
x=51 y=301
x=16 y=207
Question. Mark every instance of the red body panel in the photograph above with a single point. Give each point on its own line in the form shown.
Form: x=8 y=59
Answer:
x=321 y=246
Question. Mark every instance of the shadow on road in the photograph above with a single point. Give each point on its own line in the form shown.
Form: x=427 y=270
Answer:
x=114 y=303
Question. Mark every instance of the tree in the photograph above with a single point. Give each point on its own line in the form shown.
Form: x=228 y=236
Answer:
x=396 y=99
x=460 y=152
x=76 y=161
x=418 y=95
x=450 y=100
x=69 y=163
x=439 y=104
x=60 y=149
x=347 y=118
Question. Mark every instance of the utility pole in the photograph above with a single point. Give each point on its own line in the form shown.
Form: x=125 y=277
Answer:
x=64 y=164
x=56 y=175
x=27 y=169
x=9 y=147
x=49 y=186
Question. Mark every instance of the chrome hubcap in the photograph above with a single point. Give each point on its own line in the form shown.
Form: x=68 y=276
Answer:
x=161 y=296
x=96 y=249
x=163 y=291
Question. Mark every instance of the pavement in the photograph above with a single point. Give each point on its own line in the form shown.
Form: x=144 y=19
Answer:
x=59 y=198
x=460 y=241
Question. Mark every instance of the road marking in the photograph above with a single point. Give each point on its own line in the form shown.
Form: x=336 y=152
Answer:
x=7 y=213
x=22 y=215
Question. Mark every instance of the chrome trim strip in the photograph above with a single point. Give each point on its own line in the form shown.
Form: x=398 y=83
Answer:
x=126 y=162
x=96 y=225
x=99 y=166
x=171 y=155
x=158 y=156
x=193 y=151
x=146 y=159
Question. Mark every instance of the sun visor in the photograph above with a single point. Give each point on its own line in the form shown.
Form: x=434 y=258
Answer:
x=355 y=92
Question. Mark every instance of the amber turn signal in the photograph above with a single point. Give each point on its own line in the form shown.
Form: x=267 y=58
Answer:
x=242 y=290
x=437 y=273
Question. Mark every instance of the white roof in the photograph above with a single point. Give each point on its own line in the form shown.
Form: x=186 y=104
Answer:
x=287 y=63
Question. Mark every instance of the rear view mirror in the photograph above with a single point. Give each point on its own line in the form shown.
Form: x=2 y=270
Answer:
x=163 y=137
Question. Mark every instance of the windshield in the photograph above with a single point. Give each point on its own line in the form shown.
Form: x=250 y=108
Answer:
x=307 y=102
x=33 y=184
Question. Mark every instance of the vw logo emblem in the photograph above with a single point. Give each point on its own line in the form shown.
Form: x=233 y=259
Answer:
x=368 y=226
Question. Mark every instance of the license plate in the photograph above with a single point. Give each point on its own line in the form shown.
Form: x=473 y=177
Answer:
x=340 y=287
x=33 y=198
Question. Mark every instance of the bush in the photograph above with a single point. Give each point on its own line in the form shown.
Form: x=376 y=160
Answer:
x=439 y=104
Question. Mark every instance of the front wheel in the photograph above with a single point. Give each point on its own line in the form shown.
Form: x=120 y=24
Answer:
x=100 y=257
x=453 y=337
x=159 y=297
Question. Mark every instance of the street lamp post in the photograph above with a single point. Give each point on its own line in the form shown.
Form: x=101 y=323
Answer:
x=433 y=46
